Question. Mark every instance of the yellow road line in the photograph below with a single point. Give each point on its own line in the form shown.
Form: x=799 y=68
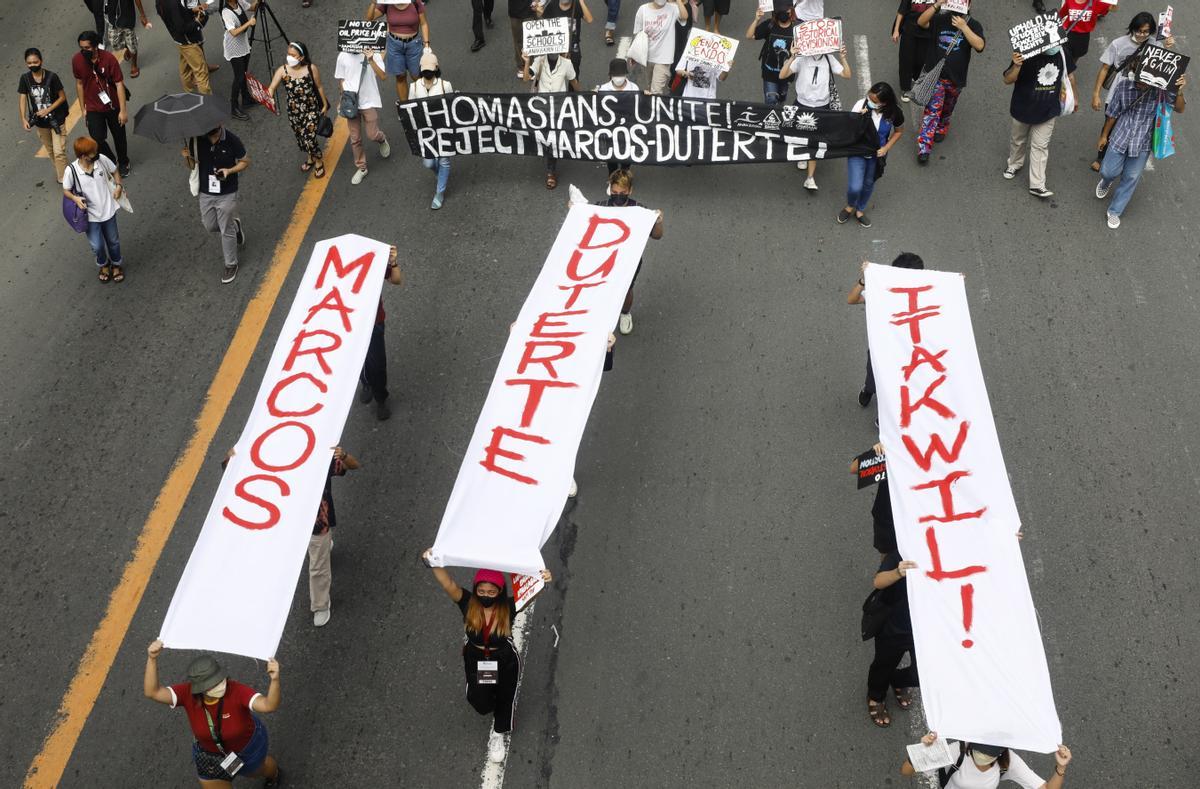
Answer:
x=47 y=767
x=72 y=118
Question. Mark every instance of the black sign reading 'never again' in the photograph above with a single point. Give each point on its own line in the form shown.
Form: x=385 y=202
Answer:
x=631 y=127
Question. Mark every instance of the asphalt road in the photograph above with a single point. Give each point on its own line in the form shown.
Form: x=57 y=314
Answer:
x=711 y=569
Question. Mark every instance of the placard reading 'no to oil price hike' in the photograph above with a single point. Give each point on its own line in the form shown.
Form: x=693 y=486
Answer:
x=355 y=35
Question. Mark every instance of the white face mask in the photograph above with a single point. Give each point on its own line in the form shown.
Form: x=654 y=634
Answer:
x=982 y=760
x=217 y=691
x=293 y=61
x=618 y=82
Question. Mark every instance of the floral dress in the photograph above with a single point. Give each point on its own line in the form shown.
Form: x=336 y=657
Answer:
x=303 y=109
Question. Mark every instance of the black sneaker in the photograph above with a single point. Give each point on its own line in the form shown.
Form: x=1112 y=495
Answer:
x=365 y=395
x=382 y=412
x=230 y=274
x=864 y=397
x=487 y=22
x=923 y=158
x=239 y=114
x=124 y=170
x=478 y=45
x=241 y=237
x=863 y=220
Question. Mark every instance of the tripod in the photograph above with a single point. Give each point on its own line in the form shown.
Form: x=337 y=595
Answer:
x=262 y=32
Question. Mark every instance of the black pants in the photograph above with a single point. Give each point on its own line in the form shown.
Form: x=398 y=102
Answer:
x=869 y=383
x=1077 y=44
x=500 y=699
x=98 y=126
x=889 y=650
x=480 y=10
x=240 y=97
x=97 y=9
x=374 y=371
x=913 y=50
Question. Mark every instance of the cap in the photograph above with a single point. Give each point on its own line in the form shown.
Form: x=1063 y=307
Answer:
x=429 y=62
x=990 y=750
x=489 y=577
x=783 y=5
x=205 y=673
x=617 y=67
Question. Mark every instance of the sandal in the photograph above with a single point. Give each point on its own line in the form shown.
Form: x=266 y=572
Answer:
x=105 y=274
x=118 y=273
x=319 y=169
x=551 y=180
x=134 y=72
x=879 y=714
x=904 y=697
x=308 y=165
x=608 y=38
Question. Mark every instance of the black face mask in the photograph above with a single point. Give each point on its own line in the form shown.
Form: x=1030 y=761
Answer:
x=35 y=70
x=431 y=74
x=782 y=18
x=88 y=54
x=552 y=60
x=487 y=602
x=619 y=201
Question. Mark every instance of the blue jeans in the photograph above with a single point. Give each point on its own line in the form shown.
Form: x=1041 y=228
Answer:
x=404 y=56
x=1129 y=168
x=442 y=167
x=860 y=181
x=775 y=92
x=106 y=243
x=614 y=9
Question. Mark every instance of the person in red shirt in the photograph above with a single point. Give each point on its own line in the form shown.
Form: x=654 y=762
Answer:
x=220 y=712
x=1079 y=18
x=100 y=91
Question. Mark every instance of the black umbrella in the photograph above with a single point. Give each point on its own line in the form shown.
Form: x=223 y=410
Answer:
x=178 y=116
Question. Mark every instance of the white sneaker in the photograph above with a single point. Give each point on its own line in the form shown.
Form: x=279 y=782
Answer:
x=625 y=323
x=906 y=96
x=801 y=165
x=1011 y=172
x=321 y=618
x=1114 y=221
x=385 y=149
x=1102 y=189
x=496 y=748
x=574 y=491
x=359 y=175
x=810 y=184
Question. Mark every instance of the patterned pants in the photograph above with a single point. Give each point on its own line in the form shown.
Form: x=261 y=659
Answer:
x=936 y=119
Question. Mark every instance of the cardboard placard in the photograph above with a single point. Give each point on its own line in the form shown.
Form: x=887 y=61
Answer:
x=1035 y=36
x=546 y=36
x=1161 y=67
x=766 y=6
x=712 y=49
x=957 y=6
x=872 y=468
x=818 y=37
x=258 y=92
x=355 y=35
x=525 y=588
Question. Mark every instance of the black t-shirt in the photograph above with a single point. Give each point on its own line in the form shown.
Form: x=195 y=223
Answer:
x=629 y=203
x=881 y=515
x=521 y=9
x=911 y=10
x=573 y=14
x=959 y=58
x=776 y=49
x=119 y=13
x=896 y=595
x=42 y=95
x=223 y=154
x=495 y=643
x=1035 y=93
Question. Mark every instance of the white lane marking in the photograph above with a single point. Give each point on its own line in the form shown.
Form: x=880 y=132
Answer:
x=555 y=629
x=863 y=63
x=492 y=776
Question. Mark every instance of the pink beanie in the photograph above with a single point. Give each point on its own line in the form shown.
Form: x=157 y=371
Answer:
x=489 y=577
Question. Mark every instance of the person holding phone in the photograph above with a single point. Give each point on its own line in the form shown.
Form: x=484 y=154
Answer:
x=220 y=156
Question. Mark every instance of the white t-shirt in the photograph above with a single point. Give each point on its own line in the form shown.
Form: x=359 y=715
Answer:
x=658 y=26
x=876 y=115
x=968 y=776
x=101 y=205
x=440 y=86
x=812 y=78
x=1114 y=55
x=702 y=79
x=236 y=46
x=552 y=80
x=349 y=66
x=808 y=10
x=628 y=86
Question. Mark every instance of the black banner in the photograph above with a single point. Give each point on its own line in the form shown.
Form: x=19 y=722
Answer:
x=355 y=35
x=631 y=127
x=1160 y=67
x=1035 y=36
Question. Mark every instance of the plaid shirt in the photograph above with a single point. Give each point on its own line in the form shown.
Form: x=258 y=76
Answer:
x=1135 y=111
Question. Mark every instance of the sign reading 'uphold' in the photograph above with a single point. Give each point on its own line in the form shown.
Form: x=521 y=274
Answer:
x=631 y=127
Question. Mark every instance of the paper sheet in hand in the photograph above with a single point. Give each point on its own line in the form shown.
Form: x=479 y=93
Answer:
x=927 y=758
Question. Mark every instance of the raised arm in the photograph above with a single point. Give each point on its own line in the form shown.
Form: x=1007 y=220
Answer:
x=587 y=14
x=1014 y=69
x=855 y=296
x=452 y=590
x=750 y=31
x=926 y=17
x=270 y=702
x=150 y=684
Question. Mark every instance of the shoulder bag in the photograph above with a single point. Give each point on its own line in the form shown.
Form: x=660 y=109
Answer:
x=875 y=613
x=1163 y=140
x=348 y=108
x=925 y=85
x=76 y=217
x=194 y=173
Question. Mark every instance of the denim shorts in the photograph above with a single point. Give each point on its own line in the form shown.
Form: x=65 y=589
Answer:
x=404 y=56
x=253 y=755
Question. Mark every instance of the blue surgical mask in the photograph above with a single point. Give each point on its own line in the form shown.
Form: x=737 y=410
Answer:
x=1052 y=51
x=872 y=104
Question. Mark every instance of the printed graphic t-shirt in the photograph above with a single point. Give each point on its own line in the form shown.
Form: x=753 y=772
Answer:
x=959 y=58
x=658 y=25
x=777 y=48
x=1035 y=97
x=702 y=79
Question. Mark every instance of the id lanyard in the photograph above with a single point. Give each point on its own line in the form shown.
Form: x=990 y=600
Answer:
x=215 y=733
x=487 y=629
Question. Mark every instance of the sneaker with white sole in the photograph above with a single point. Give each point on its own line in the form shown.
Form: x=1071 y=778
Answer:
x=625 y=323
x=1011 y=172
x=321 y=618
x=496 y=748
x=1114 y=221
x=358 y=177
x=1042 y=193
x=1102 y=189
x=241 y=236
x=230 y=274
x=810 y=184
x=906 y=96
x=385 y=149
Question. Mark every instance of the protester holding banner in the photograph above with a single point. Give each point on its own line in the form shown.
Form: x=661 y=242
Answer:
x=618 y=82
x=657 y=19
x=955 y=37
x=1115 y=61
x=550 y=74
x=42 y=106
x=776 y=34
x=813 y=90
x=1079 y=18
x=858 y=295
x=620 y=195
x=863 y=171
x=893 y=641
x=1041 y=86
x=306 y=103
x=408 y=38
x=490 y=659
x=229 y=738
x=700 y=79
x=239 y=17
x=1129 y=125
x=988 y=765
x=574 y=11
x=93 y=182
x=914 y=42
x=518 y=12
x=357 y=73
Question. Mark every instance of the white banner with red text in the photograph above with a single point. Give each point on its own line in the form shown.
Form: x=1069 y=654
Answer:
x=237 y=588
x=979 y=648
x=518 y=466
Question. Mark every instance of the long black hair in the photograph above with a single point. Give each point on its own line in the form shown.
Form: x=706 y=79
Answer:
x=887 y=102
x=302 y=48
x=1141 y=19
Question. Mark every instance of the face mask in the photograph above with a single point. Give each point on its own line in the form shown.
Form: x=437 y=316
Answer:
x=216 y=691
x=429 y=74
x=487 y=602
x=293 y=61
x=618 y=82
x=872 y=105
x=982 y=760
x=1052 y=51
x=619 y=200
x=35 y=69
x=88 y=53
x=782 y=18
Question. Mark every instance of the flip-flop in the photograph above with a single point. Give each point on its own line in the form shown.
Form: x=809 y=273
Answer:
x=134 y=72
x=104 y=275
x=118 y=273
x=304 y=168
x=319 y=169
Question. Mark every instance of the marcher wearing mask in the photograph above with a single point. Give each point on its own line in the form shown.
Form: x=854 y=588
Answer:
x=222 y=715
x=618 y=82
x=357 y=73
x=858 y=295
x=893 y=641
x=490 y=659
x=186 y=27
x=863 y=171
x=408 y=39
x=42 y=106
x=1079 y=18
x=481 y=16
x=239 y=16
x=988 y=765
x=432 y=84
x=306 y=103
x=220 y=156
x=914 y=43
x=620 y=195
x=550 y=74
x=1127 y=135
x=776 y=34
x=574 y=11
x=119 y=29
x=955 y=37
x=1039 y=93
x=100 y=91
x=657 y=19
x=813 y=78
x=93 y=183
x=1115 y=60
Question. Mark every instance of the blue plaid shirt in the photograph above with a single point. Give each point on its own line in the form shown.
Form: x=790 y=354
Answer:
x=1134 y=111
